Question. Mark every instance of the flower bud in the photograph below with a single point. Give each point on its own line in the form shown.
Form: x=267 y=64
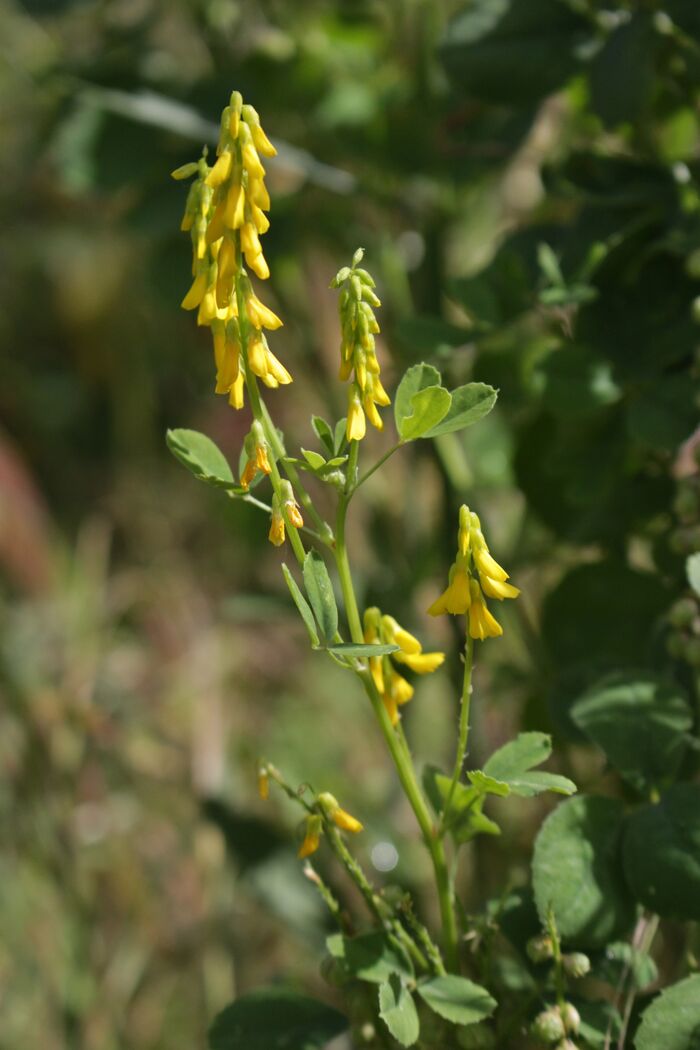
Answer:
x=571 y=1018
x=548 y=1026
x=540 y=949
x=185 y=171
x=576 y=964
x=358 y=257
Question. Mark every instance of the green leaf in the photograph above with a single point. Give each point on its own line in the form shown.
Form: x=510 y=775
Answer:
x=639 y=720
x=417 y=378
x=672 y=1022
x=368 y=957
x=302 y=605
x=512 y=763
x=466 y=819
x=314 y=459
x=362 y=651
x=513 y=52
x=469 y=404
x=692 y=568
x=577 y=872
x=428 y=407
x=661 y=854
x=340 y=435
x=398 y=1011
x=201 y=456
x=274 y=1019
x=320 y=593
x=487 y=785
x=323 y=433
x=456 y=999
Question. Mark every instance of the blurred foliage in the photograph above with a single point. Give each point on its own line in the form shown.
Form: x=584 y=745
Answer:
x=524 y=176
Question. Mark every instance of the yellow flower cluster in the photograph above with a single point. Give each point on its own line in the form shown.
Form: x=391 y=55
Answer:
x=256 y=450
x=392 y=686
x=314 y=823
x=474 y=573
x=225 y=214
x=357 y=351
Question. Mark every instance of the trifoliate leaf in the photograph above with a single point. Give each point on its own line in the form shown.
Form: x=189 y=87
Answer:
x=456 y=999
x=469 y=404
x=201 y=456
x=398 y=1011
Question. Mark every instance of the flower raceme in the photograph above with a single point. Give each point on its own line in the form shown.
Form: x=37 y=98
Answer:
x=225 y=215
x=474 y=573
x=393 y=688
x=358 y=357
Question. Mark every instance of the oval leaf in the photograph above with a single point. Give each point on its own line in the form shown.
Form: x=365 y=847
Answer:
x=201 y=456
x=274 y=1019
x=362 y=651
x=672 y=1022
x=320 y=593
x=469 y=404
x=661 y=853
x=577 y=872
x=398 y=1011
x=457 y=999
x=416 y=378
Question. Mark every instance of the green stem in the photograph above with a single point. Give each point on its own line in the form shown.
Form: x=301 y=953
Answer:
x=379 y=463
x=398 y=751
x=262 y=417
x=463 y=738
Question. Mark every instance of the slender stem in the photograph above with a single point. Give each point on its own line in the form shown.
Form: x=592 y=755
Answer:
x=463 y=738
x=379 y=463
x=398 y=750
x=256 y=406
x=559 y=976
x=325 y=533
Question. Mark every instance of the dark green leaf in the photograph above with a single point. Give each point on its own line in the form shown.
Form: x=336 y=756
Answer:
x=323 y=433
x=640 y=721
x=368 y=957
x=398 y=1011
x=302 y=605
x=599 y=1021
x=672 y=1022
x=622 y=73
x=577 y=872
x=469 y=404
x=661 y=853
x=456 y=999
x=274 y=1019
x=320 y=593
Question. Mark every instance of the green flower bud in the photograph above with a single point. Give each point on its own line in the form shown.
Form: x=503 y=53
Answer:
x=683 y=612
x=548 y=1026
x=358 y=257
x=576 y=964
x=540 y=948
x=341 y=276
x=571 y=1017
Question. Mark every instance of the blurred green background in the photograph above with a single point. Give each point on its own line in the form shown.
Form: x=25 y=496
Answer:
x=523 y=175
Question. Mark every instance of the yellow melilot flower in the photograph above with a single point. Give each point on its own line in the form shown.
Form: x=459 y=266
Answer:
x=465 y=592
x=257 y=452
x=225 y=215
x=263 y=783
x=357 y=351
x=288 y=506
x=340 y=817
x=391 y=685
x=312 y=836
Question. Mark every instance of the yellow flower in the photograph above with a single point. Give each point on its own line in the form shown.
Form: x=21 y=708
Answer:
x=285 y=506
x=256 y=451
x=340 y=817
x=312 y=836
x=465 y=593
x=263 y=783
x=481 y=623
x=356 y=416
x=225 y=217
x=392 y=686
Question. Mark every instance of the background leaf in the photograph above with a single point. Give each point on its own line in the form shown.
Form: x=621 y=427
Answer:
x=274 y=1019
x=672 y=1021
x=577 y=871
